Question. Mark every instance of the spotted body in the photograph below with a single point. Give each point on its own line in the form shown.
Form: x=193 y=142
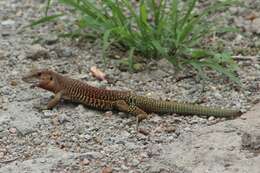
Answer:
x=125 y=101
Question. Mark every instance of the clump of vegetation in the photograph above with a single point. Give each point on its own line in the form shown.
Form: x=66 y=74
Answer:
x=170 y=29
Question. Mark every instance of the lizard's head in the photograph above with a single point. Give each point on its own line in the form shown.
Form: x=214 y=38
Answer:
x=42 y=78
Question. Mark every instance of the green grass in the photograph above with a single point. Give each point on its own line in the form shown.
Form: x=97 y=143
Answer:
x=156 y=29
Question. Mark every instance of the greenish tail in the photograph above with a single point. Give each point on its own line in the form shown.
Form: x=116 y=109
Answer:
x=156 y=106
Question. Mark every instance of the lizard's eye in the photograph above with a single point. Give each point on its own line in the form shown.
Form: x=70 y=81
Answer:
x=51 y=78
x=39 y=73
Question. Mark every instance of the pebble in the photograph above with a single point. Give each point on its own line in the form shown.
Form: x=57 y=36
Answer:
x=211 y=118
x=2 y=154
x=243 y=117
x=12 y=130
x=107 y=169
x=124 y=167
x=2 y=54
x=135 y=162
x=85 y=161
x=51 y=39
x=36 y=51
x=108 y=113
x=62 y=118
x=47 y=113
x=8 y=22
x=187 y=129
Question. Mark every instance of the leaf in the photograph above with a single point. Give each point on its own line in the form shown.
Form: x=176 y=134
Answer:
x=44 y=20
x=106 y=43
x=97 y=73
x=130 y=59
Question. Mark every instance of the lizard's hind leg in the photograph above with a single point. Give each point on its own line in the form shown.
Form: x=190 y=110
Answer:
x=121 y=105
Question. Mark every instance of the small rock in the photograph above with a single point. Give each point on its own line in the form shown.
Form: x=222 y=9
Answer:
x=85 y=161
x=108 y=113
x=90 y=155
x=135 y=162
x=124 y=167
x=2 y=154
x=36 y=51
x=187 y=129
x=63 y=118
x=65 y=52
x=2 y=54
x=12 y=130
x=107 y=169
x=159 y=74
x=87 y=137
x=47 y=113
x=143 y=131
x=13 y=83
x=70 y=126
x=211 y=118
x=256 y=26
x=8 y=22
x=251 y=140
x=243 y=117
x=138 y=67
x=170 y=129
x=51 y=39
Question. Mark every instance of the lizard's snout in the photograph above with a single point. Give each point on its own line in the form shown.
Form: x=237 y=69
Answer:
x=30 y=80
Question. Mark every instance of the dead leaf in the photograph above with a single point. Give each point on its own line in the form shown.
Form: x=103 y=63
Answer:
x=97 y=73
x=251 y=16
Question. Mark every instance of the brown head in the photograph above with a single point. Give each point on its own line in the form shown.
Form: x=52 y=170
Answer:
x=43 y=78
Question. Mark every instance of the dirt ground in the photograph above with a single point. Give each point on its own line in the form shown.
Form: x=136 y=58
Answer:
x=73 y=138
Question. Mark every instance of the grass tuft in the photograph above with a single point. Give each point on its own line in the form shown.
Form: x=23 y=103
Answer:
x=170 y=29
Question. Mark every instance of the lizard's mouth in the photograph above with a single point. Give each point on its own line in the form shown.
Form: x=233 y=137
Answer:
x=34 y=82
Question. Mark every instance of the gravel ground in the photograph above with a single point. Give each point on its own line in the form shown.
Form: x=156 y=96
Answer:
x=73 y=138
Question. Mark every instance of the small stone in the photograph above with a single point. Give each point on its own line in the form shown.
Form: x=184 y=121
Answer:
x=8 y=22
x=135 y=162
x=143 y=131
x=187 y=129
x=36 y=51
x=107 y=169
x=2 y=154
x=47 y=113
x=211 y=118
x=124 y=167
x=170 y=129
x=87 y=137
x=51 y=39
x=243 y=117
x=67 y=52
x=13 y=83
x=138 y=67
x=12 y=130
x=85 y=161
x=63 y=118
x=108 y=113
x=2 y=54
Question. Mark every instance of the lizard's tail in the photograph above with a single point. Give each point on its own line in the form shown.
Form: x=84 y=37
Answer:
x=152 y=105
x=194 y=109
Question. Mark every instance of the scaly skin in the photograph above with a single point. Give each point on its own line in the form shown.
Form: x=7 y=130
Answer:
x=103 y=99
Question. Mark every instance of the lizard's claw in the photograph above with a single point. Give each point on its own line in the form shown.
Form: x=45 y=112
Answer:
x=139 y=118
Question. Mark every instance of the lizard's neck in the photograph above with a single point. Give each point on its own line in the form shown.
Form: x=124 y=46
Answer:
x=56 y=85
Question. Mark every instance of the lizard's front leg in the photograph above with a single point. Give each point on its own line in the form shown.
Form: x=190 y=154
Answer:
x=53 y=102
x=121 y=105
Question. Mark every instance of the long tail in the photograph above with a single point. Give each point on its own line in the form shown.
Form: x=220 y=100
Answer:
x=152 y=105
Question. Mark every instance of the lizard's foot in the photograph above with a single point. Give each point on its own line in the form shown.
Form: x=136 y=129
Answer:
x=139 y=118
x=40 y=107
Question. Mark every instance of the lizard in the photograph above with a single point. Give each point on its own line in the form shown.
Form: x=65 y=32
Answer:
x=78 y=91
